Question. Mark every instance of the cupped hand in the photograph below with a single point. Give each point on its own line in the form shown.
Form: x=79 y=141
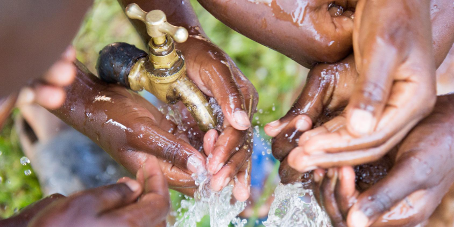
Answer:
x=217 y=76
x=420 y=176
x=144 y=202
x=307 y=31
x=396 y=84
x=327 y=90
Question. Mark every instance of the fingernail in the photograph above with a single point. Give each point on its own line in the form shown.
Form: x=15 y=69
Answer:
x=273 y=123
x=242 y=119
x=360 y=220
x=362 y=121
x=69 y=53
x=26 y=96
x=330 y=173
x=302 y=125
x=218 y=167
x=195 y=165
x=316 y=177
x=226 y=181
x=133 y=185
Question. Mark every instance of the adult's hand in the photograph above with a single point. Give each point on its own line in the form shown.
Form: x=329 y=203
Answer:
x=218 y=77
x=419 y=178
x=144 y=202
x=396 y=84
x=307 y=31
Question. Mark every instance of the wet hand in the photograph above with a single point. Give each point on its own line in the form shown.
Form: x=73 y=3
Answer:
x=144 y=202
x=420 y=176
x=327 y=91
x=217 y=76
x=131 y=129
x=396 y=84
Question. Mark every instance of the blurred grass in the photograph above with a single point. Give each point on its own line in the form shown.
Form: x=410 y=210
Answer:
x=275 y=76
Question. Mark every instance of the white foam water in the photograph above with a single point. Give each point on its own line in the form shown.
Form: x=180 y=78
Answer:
x=217 y=205
x=294 y=205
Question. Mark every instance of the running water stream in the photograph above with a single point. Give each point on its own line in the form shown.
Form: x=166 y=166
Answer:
x=293 y=204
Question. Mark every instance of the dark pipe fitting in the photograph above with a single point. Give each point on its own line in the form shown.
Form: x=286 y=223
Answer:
x=116 y=61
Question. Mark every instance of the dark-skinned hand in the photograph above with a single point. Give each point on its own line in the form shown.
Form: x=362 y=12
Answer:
x=396 y=83
x=329 y=87
x=307 y=31
x=141 y=202
x=217 y=76
x=131 y=129
x=421 y=174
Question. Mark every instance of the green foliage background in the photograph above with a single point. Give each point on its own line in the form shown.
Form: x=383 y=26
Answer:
x=276 y=77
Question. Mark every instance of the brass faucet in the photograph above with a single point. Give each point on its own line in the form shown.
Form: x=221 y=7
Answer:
x=163 y=72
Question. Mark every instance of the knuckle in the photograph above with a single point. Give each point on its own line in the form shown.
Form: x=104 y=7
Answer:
x=379 y=204
x=171 y=152
x=373 y=91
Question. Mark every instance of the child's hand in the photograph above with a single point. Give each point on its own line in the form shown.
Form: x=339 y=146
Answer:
x=421 y=174
x=144 y=202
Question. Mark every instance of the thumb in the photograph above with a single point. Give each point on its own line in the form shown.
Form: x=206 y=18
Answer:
x=109 y=197
x=373 y=88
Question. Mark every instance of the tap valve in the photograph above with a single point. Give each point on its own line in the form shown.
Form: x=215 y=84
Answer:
x=157 y=25
x=162 y=73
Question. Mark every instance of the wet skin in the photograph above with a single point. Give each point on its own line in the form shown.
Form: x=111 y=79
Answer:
x=307 y=31
x=217 y=76
x=130 y=129
x=141 y=202
x=421 y=174
x=327 y=91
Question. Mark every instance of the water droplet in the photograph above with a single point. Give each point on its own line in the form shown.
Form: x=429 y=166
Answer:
x=28 y=172
x=24 y=161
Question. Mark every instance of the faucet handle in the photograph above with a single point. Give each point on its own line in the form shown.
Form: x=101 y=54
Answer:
x=157 y=25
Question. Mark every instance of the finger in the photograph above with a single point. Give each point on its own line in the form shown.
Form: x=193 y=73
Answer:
x=289 y=175
x=6 y=106
x=329 y=200
x=332 y=125
x=228 y=143
x=285 y=141
x=152 y=178
x=166 y=146
x=242 y=187
x=318 y=174
x=413 y=210
x=48 y=96
x=231 y=168
x=216 y=76
x=398 y=184
x=346 y=193
x=343 y=141
x=303 y=161
x=69 y=54
x=209 y=140
x=177 y=179
x=61 y=73
x=372 y=90
x=109 y=197
x=309 y=103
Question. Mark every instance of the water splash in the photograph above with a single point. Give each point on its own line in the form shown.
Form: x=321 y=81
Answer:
x=218 y=205
x=294 y=205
